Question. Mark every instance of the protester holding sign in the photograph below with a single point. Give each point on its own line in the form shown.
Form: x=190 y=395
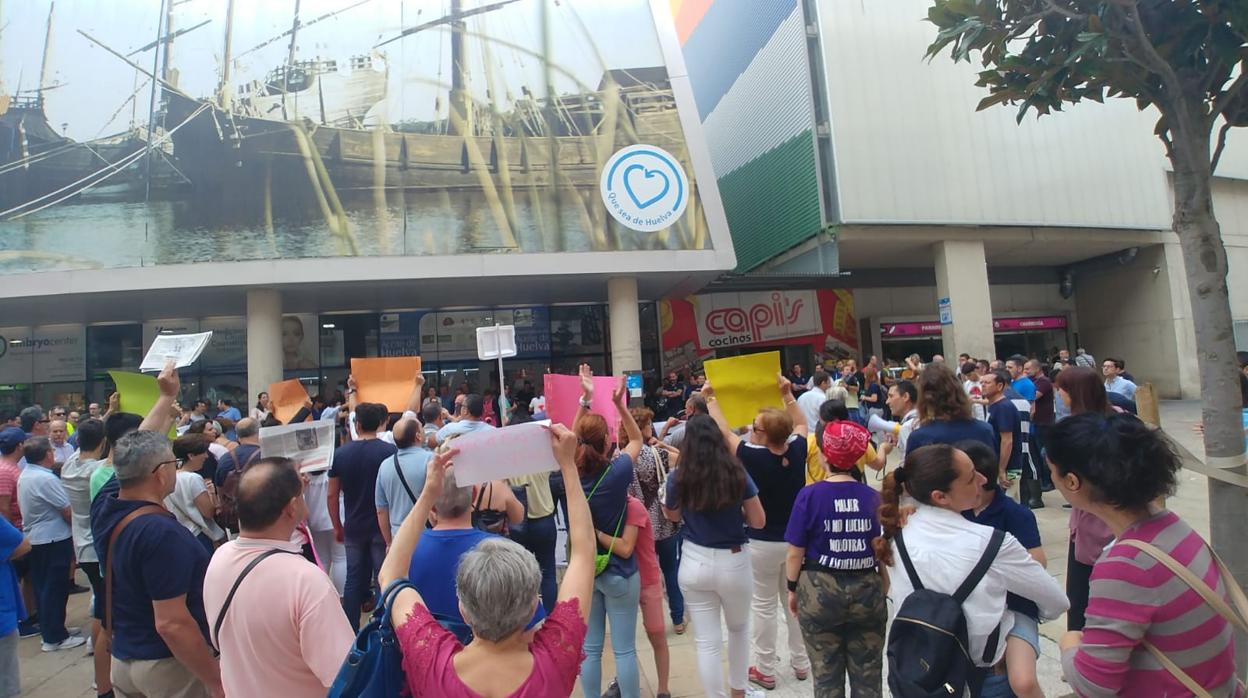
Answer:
x=715 y=498
x=617 y=589
x=774 y=455
x=497 y=585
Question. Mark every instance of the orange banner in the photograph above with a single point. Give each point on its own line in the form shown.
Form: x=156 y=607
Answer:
x=287 y=398
x=388 y=380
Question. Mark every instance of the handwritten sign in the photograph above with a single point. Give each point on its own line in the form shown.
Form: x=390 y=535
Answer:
x=388 y=381
x=496 y=454
x=563 y=397
x=183 y=349
x=744 y=384
x=287 y=398
x=310 y=444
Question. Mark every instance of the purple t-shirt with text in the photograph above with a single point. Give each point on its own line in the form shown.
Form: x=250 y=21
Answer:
x=835 y=522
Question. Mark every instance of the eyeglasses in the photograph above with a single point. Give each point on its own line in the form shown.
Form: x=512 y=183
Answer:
x=176 y=461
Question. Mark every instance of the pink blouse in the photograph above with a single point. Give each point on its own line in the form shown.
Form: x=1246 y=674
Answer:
x=429 y=651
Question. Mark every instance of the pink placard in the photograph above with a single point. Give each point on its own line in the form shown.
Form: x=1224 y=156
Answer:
x=563 y=396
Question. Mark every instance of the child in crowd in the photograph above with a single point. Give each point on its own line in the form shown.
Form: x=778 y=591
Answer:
x=1022 y=645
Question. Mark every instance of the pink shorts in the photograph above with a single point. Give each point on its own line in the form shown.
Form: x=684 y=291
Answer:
x=652 y=618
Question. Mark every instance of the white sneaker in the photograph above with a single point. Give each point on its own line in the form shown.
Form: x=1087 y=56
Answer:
x=90 y=648
x=67 y=644
x=751 y=692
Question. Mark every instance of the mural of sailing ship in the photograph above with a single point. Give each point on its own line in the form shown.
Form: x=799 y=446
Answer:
x=316 y=149
x=316 y=153
x=40 y=167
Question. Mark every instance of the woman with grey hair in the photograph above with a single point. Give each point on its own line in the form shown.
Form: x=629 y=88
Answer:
x=498 y=584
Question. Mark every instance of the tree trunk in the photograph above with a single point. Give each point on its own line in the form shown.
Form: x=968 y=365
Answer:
x=1204 y=260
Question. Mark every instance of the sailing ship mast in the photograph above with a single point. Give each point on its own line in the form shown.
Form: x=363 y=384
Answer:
x=294 y=31
x=223 y=94
x=461 y=101
x=47 y=47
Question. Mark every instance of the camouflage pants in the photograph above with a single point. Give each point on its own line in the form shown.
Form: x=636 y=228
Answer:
x=842 y=616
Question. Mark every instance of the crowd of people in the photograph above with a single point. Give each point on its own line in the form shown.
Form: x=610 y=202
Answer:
x=219 y=570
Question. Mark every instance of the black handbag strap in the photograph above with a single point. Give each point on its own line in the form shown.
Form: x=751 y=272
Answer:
x=981 y=567
x=216 y=627
x=399 y=471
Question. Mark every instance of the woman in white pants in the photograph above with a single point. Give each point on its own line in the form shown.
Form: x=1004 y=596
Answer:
x=716 y=499
x=774 y=456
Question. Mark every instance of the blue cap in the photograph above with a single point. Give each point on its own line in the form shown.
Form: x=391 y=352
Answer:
x=10 y=437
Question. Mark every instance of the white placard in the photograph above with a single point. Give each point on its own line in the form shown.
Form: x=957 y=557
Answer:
x=495 y=454
x=497 y=342
x=309 y=444
x=182 y=349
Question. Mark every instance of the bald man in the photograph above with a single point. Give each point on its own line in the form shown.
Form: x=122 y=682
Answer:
x=401 y=477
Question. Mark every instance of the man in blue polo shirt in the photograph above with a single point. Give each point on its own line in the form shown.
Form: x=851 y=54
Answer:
x=436 y=558
x=1017 y=367
x=12 y=610
x=45 y=521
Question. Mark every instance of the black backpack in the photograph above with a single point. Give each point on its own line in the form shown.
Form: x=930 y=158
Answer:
x=928 y=651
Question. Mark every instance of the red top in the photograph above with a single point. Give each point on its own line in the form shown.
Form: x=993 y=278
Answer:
x=429 y=652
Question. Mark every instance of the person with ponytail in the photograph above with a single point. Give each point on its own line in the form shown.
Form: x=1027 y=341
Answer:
x=1157 y=615
x=1083 y=392
x=774 y=454
x=716 y=499
x=617 y=586
x=944 y=547
x=835 y=587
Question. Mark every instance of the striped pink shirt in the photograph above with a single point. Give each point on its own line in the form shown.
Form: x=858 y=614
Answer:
x=1133 y=597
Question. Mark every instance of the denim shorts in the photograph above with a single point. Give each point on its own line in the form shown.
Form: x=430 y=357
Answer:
x=1027 y=628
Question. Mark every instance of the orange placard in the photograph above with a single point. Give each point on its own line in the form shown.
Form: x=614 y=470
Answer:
x=388 y=380
x=287 y=398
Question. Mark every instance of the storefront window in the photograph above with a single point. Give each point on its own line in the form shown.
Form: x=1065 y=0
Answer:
x=346 y=337
x=114 y=347
x=578 y=329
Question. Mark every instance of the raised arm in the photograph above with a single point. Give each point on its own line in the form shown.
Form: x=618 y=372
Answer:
x=790 y=405
x=399 y=557
x=160 y=417
x=620 y=398
x=352 y=391
x=713 y=408
x=587 y=393
x=578 y=580
x=413 y=402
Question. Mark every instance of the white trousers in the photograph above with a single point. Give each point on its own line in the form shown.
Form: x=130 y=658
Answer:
x=770 y=598
x=716 y=581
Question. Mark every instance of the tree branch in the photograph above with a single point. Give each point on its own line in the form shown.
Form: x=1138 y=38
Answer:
x=1230 y=93
x=1156 y=63
x=1217 y=151
x=1165 y=140
x=1065 y=12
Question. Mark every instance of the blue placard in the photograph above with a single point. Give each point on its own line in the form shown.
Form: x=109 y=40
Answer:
x=946 y=311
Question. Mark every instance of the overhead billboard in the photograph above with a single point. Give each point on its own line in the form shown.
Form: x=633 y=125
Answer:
x=370 y=129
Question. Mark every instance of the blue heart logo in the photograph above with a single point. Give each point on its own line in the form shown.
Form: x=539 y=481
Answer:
x=645 y=185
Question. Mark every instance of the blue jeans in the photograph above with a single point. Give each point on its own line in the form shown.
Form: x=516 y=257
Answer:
x=539 y=536
x=668 y=550
x=620 y=599
x=364 y=559
x=49 y=575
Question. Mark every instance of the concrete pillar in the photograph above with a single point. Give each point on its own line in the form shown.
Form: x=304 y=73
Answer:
x=962 y=277
x=264 y=340
x=625 y=324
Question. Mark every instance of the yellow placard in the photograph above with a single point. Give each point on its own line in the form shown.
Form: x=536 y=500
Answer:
x=744 y=384
x=137 y=393
x=387 y=380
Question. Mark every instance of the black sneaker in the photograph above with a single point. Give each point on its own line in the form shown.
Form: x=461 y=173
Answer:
x=27 y=629
x=79 y=589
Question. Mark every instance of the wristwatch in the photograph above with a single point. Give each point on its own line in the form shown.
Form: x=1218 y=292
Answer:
x=585 y=403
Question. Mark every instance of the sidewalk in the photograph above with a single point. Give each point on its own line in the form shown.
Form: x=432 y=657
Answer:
x=68 y=674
